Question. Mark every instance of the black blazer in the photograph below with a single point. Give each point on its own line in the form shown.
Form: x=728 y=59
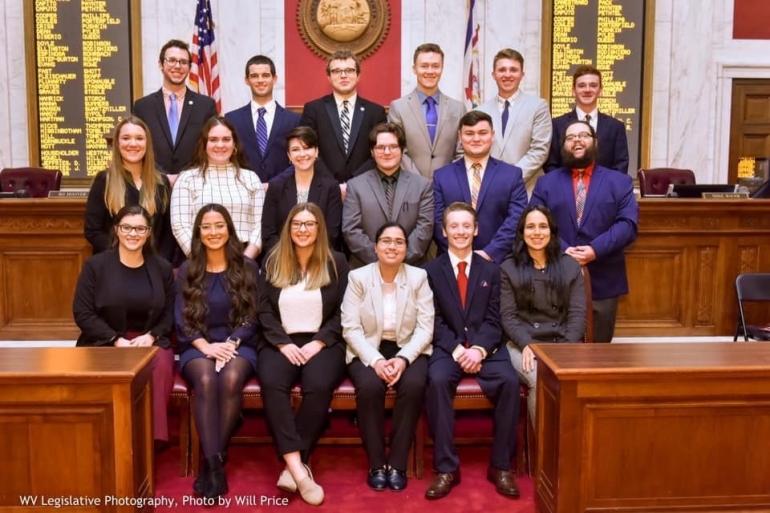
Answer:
x=612 y=142
x=172 y=157
x=282 y=196
x=479 y=322
x=330 y=332
x=275 y=159
x=322 y=116
x=100 y=321
x=99 y=220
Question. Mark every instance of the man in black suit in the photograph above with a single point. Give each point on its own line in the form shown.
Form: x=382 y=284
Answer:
x=343 y=119
x=262 y=124
x=467 y=339
x=612 y=143
x=174 y=113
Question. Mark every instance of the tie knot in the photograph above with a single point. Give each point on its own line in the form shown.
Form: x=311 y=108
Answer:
x=588 y=118
x=476 y=167
x=172 y=97
x=430 y=100
x=507 y=103
x=345 y=103
x=261 y=111
x=461 y=266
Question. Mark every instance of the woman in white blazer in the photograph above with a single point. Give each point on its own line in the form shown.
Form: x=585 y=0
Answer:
x=387 y=322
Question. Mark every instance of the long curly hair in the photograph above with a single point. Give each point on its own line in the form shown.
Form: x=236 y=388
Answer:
x=239 y=277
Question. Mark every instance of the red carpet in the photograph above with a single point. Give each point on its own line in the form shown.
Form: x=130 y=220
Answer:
x=253 y=470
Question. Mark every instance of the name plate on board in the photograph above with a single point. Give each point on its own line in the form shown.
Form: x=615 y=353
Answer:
x=69 y=194
x=725 y=195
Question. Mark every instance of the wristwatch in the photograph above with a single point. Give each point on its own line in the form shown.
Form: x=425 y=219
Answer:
x=234 y=341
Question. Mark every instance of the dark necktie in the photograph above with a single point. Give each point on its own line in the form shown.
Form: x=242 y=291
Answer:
x=462 y=281
x=588 y=119
x=262 y=131
x=345 y=122
x=431 y=117
x=505 y=115
x=390 y=193
x=173 y=117
x=580 y=198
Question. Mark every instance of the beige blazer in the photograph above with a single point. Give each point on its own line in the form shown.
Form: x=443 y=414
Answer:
x=421 y=155
x=362 y=313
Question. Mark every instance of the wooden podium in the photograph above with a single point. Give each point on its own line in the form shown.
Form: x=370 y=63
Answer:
x=649 y=428
x=75 y=425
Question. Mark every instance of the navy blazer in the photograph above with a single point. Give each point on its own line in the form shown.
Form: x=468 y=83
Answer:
x=173 y=157
x=609 y=224
x=612 y=142
x=276 y=158
x=321 y=115
x=281 y=197
x=479 y=322
x=502 y=199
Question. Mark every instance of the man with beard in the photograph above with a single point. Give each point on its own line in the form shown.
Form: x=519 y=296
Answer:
x=597 y=215
x=174 y=113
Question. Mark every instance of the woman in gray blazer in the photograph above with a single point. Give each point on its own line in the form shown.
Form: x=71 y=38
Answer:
x=541 y=294
x=387 y=322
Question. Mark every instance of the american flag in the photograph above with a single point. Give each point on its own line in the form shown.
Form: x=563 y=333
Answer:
x=471 y=67
x=204 y=73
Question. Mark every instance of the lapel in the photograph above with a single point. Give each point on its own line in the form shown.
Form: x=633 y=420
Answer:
x=160 y=111
x=156 y=284
x=490 y=176
x=473 y=280
x=187 y=108
x=331 y=110
x=451 y=281
x=373 y=178
x=375 y=288
x=497 y=121
x=594 y=190
x=402 y=186
x=415 y=108
x=274 y=130
x=514 y=112
x=402 y=293
x=314 y=194
x=359 y=111
x=462 y=180
x=565 y=179
x=290 y=191
x=251 y=133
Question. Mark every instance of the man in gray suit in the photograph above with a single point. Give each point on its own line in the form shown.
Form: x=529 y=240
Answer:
x=522 y=121
x=387 y=193
x=428 y=116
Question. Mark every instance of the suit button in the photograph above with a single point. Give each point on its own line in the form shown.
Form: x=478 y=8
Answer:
x=536 y=325
x=466 y=328
x=553 y=324
x=433 y=156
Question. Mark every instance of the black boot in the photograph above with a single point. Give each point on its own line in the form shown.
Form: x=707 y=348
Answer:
x=202 y=481
x=217 y=483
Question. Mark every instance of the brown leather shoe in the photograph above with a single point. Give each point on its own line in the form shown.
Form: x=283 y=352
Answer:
x=442 y=484
x=504 y=482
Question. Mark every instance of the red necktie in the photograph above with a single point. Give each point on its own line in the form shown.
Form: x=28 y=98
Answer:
x=462 y=281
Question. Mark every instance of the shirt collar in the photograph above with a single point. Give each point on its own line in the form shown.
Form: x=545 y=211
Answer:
x=422 y=96
x=483 y=162
x=167 y=94
x=351 y=101
x=514 y=96
x=269 y=107
x=581 y=115
x=587 y=172
x=385 y=177
x=454 y=260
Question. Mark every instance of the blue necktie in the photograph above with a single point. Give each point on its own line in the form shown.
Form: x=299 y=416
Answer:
x=505 y=115
x=431 y=117
x=262 y=131
x=173 y=116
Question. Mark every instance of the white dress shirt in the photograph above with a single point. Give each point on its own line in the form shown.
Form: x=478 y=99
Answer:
x=269 y=114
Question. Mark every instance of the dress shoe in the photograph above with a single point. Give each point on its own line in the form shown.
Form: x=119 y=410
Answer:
x=286 y=482
x=217 y=481
x=504 y=482
x=310 y=491
x=202 y=481
x=442 y=484
x=396 y=479
x=378 y=478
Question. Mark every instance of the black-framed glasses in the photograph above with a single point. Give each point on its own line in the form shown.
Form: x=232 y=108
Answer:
x=173 y=61
x=125 y=229
x=308 y=225
x=343 y=71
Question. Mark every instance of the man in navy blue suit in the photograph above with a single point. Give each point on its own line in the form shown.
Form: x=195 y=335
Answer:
x=597 y=215
x=612 y=141
x=467 y=338
x=494 y=189
x=262 y=124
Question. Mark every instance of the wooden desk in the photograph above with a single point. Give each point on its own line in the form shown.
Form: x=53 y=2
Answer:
x=75 y=422
x=653 y=427
x=682 y=267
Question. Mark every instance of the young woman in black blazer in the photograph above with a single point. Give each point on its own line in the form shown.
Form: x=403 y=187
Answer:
x=305 y=181
x=301 y=290
x=125 y=298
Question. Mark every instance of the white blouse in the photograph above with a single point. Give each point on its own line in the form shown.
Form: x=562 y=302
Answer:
x=301 y=310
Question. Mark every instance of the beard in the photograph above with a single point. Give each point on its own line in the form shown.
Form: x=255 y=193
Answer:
x=570 y=161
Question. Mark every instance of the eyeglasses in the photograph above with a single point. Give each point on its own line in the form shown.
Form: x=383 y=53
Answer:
x=399 y=243
x=213 y=227
x=125 y=229
x=343 y=71
x=172 y=61
x=381 y=148
x=583 y=136
x=308 y=225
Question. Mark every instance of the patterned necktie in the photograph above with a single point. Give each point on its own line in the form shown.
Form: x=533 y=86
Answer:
x=505 y=115
x=462 y=281
x=475 y=183
x=262 y=131
x=431 y=117
x=390 y=193
x=345 y=122
x=173 y=116
x=580 y=198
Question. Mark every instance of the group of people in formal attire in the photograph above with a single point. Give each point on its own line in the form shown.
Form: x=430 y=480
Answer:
x=400 y=249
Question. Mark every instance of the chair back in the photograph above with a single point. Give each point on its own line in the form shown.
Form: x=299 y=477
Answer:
x=656 y=181
x=33 y=182
x=589 y=336
x=750 y=287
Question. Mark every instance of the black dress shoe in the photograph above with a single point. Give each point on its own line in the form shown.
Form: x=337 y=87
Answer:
x=504 y=482
x=396 y=479
x=377 y=478
x=217 y=480
x=442 y=484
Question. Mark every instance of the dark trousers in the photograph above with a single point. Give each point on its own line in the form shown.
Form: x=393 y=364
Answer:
x=318 y=378
x=370 y=404
x=605 y=311
x=498 y=381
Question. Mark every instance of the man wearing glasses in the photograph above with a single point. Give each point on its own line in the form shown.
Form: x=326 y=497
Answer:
x=343 y=119
x=385 y=194
x=597 y=215
x=174 y=113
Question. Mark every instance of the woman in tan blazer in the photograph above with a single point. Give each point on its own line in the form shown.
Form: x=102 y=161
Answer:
x=387 y=322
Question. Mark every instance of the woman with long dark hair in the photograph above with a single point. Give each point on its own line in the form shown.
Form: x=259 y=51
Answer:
x=216 y=325
x=541 y=294
x=301 y=290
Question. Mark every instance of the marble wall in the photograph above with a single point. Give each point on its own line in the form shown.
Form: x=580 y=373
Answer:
x=695 y=59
